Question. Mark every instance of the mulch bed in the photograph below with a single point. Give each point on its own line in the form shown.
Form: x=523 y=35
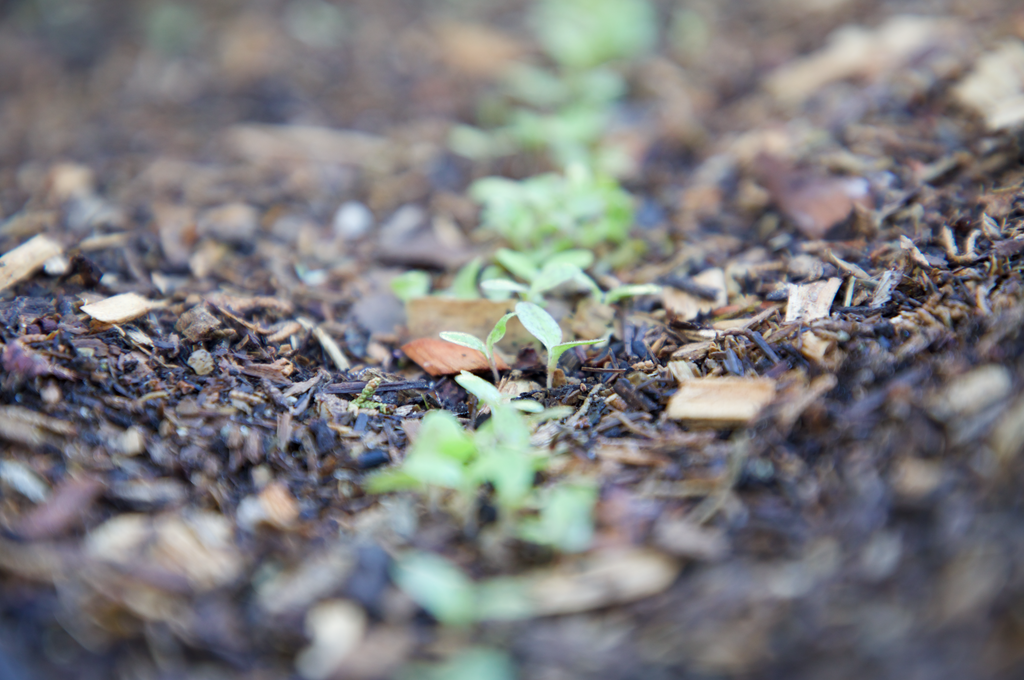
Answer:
x=194 y=291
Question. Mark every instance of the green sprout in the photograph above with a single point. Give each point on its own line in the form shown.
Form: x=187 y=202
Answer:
x=499 y=453
x=630 y=290
x=485 y=348
x=577 y=209
x=542 y=326
x=582 y=34
x=412 y=284
x=555 y=272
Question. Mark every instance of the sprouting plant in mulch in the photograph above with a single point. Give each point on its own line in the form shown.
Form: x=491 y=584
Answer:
x=555 y=212
x=484 y=347
x=565 y=110
x=543 y=326
x=498 y=454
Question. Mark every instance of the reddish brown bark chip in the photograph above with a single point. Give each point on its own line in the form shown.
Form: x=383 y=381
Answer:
x=439 y=357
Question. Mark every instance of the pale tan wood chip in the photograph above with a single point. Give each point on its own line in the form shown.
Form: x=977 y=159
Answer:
x=721 y=402
x=19 y=264
x=811 y=301
x=121 y=308
x=599 y=580
x=328 y=343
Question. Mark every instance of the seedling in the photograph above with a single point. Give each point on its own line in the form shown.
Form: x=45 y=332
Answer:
x=631 y=290
x=412 y=284
x=542 y=326
x=485 y=348
x=578 y=209
x=582 y=34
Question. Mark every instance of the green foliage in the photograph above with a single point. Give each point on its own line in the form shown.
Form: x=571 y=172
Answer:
x=499 y=453
x=453 y=598
x=565 y=112
x=542 y=326
x=447 y=456
x=412 y=284
x=556 y=271
x=485 y=348
x=577 y=209
x=477 y=663
x=564 y=521
x=438 y=586
x=464 y=283
x=582 y=34
x=631 y=290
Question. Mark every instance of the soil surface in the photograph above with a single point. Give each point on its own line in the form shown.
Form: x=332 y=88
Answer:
x=806 y=446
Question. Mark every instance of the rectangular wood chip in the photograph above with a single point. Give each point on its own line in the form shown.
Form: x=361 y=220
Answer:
x=720 y=402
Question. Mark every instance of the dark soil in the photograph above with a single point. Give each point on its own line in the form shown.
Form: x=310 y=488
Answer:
x=161 y=521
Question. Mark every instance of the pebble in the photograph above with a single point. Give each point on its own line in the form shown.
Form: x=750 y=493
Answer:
x=352 y=220
x=231 y=222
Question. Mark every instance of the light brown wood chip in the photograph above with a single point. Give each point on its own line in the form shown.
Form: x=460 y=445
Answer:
x=20 y=263
x=121 y=308
x=811 y=300
x=721 y=402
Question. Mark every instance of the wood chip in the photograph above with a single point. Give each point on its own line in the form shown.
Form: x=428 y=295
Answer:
x=600 y=580
x=27 y=427
x=336 y=627
x=274 y=506
x=20 y=263
x=687 y=306
x=303 y=143
x=995 y=88
x=720 y=402
x=328 y=343
x=121 y=308
x=428 y=316
x=66 y=509
x=811 y=301
x=440 y=357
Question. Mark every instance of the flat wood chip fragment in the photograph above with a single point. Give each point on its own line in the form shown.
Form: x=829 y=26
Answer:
x=23 y=261
x=811 y=301
x=121 y=308
x=687 y=306
x=720 y=402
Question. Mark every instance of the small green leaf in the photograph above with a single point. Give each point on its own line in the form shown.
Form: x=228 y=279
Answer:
x=566 y=518
x=502 y=286
x=553 y=275
x=438 y=586
x=520 y=265
x=497 y=333
x=464 y=283
x=527 y=405
x=554 y=353
x=465 y=340
x=411 y=284
x=584 y=259
x=632 y=290
x=479 y=388
x=539 y=323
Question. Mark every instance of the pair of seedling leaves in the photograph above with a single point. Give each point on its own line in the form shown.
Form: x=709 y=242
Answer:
x=539 y=323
